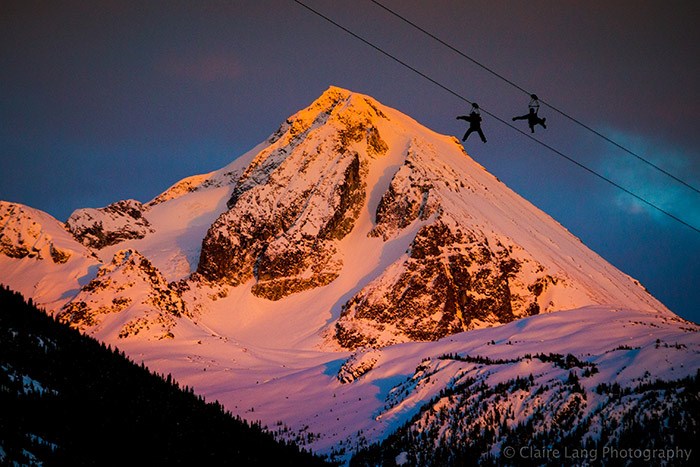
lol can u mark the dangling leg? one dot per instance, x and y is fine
(466, 135)
(481, 133)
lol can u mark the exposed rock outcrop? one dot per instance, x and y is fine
(409, 197)
(450, 281)
(130, 295)
(25, 232)
(455, 276)
(359, 363)
(297, 198)
(98, 228)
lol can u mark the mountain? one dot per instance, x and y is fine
(134, 296)
(457, 249)
(304, 283)
(40, 258)
(98, 228)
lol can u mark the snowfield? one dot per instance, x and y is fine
(307, 392)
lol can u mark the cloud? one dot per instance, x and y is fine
(208, 68)
(650, 183)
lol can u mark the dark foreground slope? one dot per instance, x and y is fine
(66, 399)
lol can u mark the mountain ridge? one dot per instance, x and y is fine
(352, 234)
(449, 247)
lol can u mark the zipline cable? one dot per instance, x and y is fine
(561, 112)
(556, 151)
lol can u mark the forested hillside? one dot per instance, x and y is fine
(66, 399)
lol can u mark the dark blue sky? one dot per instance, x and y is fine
(107, 100)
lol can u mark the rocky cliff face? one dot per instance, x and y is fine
(410, 196)
(98, 228)
(24, 232)
(296, 200)
(128, 296)
(453, 278)
(450, 281)
(359, 363)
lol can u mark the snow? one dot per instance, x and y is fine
(50, 284)
(29, 384)
(181, 220)
(302, 388)
(276, 360)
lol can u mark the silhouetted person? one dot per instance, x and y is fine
(532, 117)
(474, 119)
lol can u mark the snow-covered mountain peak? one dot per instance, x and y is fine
(39, 257)
(297, 199)
(27, 232)
(447, 247)
(376, 228)
(336, 106)
(337, 122)
(289, 274)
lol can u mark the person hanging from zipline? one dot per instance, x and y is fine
(474, 119)
(532, 117)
